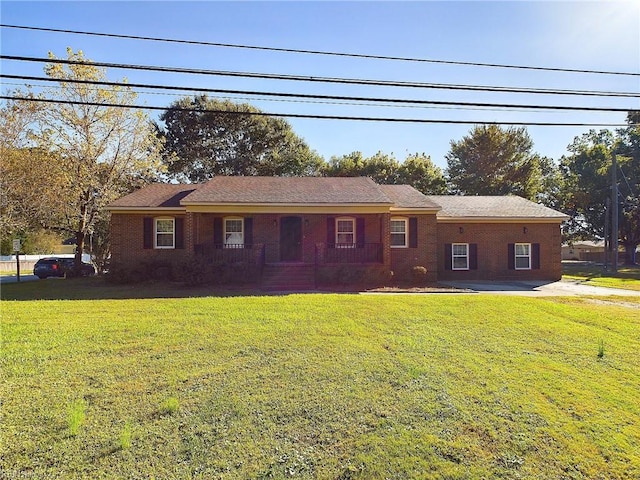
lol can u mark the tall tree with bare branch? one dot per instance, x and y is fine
(104, 146)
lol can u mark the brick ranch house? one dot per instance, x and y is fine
(295, 228)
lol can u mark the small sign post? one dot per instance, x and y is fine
(16, 248)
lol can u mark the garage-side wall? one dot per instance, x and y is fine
(492, 240)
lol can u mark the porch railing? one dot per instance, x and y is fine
(349, 253)
(221, 253)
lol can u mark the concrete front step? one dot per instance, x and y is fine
(288, 277)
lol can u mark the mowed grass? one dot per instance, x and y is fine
(321, 386)
(627, 277)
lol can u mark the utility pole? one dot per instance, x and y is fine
(607, 239)
(614, 212)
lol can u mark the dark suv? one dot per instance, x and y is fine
(59, 267)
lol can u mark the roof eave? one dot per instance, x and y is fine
(415, 210)
(460, 219)
(145, 209)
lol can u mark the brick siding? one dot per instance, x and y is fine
(492, 240)
(404, 259)
(127, 240)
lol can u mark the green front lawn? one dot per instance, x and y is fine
(627, 277)
(320, 386)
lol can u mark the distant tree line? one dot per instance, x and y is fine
(62, 164)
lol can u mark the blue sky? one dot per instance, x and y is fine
(577, 35)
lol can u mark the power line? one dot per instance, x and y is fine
(245, 98)
(320, 52)
(319, 117)
(350, 81)
(321, 97)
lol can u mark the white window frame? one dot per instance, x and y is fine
(455, 255)
(226, 236)
(405, 221)
(351, 244)
(156, 232)
(522, 255)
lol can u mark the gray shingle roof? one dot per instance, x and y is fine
(405, 196)
(331, 191)
(289, 190)
(455, 206)
(162, 195)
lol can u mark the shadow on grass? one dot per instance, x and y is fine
(97, 288)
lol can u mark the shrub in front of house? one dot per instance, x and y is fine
(351, 275)
(419, 275)
(141, 271)
(191, 271)
(196, 270)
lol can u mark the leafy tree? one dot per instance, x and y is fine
(30, 198)
(417, 170)
(421, 173)
(381, 168)
(495, 161)
(587, 186)
(206, 137)
(102, 150)
(350, 165)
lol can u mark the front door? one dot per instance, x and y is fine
(291, 239)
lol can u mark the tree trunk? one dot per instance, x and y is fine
(77, 267)
(630, 253)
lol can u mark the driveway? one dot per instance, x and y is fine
(562, 288)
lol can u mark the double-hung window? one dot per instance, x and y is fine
(164, 233)
(399, 232)
(233, 233)
(345, 232)
(460, 256)
(523, 256)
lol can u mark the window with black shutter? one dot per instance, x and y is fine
(147, 233)
(179, 238)
(248, 232)
(360, 232)
(413, 232)
(447, 256)
(217, 232)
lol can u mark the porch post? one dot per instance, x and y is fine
(385, 229)
(189, 230)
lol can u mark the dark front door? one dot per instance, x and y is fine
(291, 239)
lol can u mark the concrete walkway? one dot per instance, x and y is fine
(562, 288)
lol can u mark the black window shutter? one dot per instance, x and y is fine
(331, 230)
(217, 231)
(248, 232)
(147, 233)
(413, 232)
(447, 256)
(473, 256)
(360, 232)
(511, 251)
(179, 232)
(535, 256)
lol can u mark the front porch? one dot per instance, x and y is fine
(273, 272)
(272, 253)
